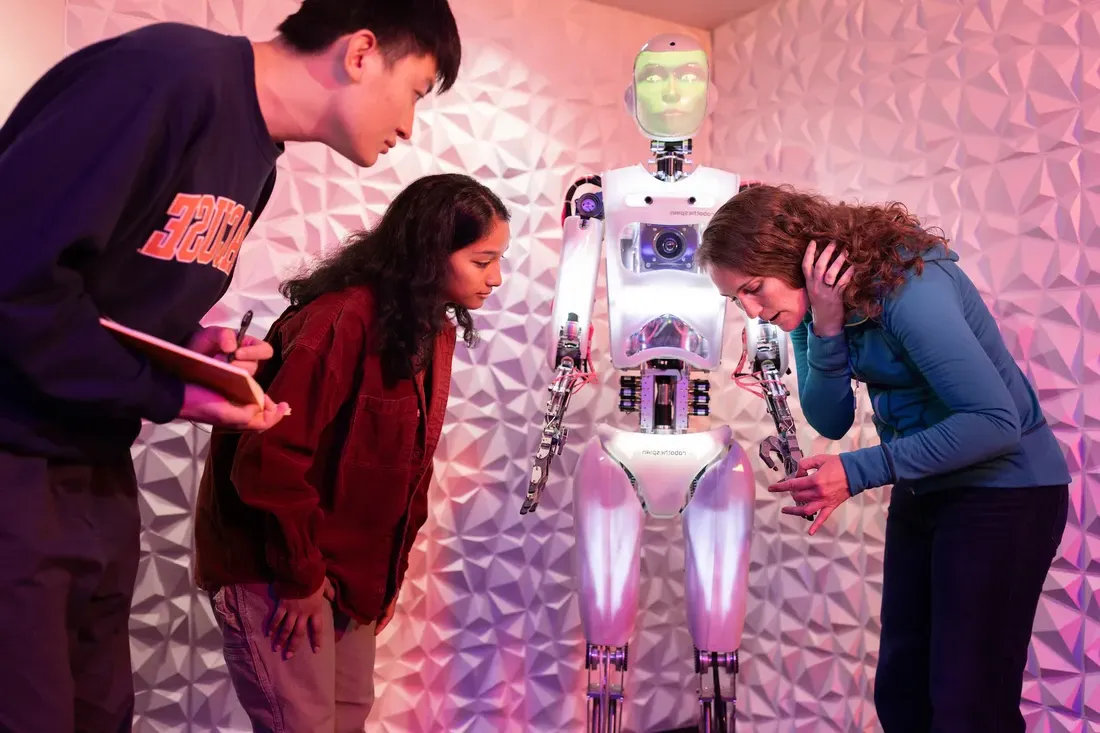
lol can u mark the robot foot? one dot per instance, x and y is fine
(606, 667)
(717, 696)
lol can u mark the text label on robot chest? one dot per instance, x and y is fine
(652, 452)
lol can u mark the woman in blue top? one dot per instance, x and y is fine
(980, 484)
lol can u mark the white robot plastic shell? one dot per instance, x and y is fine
(755, 341)
(632, 196)
(578, 268)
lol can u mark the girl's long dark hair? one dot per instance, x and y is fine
(404, 261)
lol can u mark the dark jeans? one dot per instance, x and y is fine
(68, 560)
(963, 572)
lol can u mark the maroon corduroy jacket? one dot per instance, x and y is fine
(338, 488)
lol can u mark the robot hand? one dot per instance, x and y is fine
(764, 343)
(568, 378)
(787, 455)
(554, 434)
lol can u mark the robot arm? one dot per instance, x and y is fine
(766, 347)
(570, 328)
(570, 322)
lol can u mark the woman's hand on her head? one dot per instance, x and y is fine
(825, 288)
(820, 492)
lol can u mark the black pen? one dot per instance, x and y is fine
(245, 320)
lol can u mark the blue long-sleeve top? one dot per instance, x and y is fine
(951, 406)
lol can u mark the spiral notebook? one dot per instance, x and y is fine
(232, 382)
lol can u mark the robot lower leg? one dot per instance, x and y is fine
(606, 667)
(717, 697)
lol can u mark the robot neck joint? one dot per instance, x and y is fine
(670, 157)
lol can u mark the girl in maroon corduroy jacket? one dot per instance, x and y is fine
(303, 532)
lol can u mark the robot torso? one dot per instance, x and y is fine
(661, 305)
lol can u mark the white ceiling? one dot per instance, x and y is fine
(705, 14)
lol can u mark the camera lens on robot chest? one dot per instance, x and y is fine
(670, 244)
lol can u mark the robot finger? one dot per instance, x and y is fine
(530, 504)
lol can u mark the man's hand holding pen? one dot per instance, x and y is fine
(246, 352)
(239, 349)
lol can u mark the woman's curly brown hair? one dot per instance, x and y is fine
(764, 231)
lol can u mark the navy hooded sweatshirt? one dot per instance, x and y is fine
(132, 172)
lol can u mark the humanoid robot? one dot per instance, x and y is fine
(666, 328)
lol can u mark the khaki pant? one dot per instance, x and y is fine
(327, 691)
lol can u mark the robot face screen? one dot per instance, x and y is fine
(670, 92)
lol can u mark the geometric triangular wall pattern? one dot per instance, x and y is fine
(984, 119)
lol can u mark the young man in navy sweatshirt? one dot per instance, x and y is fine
(132, 172)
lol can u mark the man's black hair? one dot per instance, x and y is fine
(402, 27)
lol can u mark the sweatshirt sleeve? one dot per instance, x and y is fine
(271, 469)
(68, 176)
(824, 381)
(928, 320)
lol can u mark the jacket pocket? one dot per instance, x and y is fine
(383, 432)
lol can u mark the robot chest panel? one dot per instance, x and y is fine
(656, 225)
(661, 303)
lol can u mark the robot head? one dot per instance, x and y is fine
(671, 88)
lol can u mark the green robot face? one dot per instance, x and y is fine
(670, 93)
